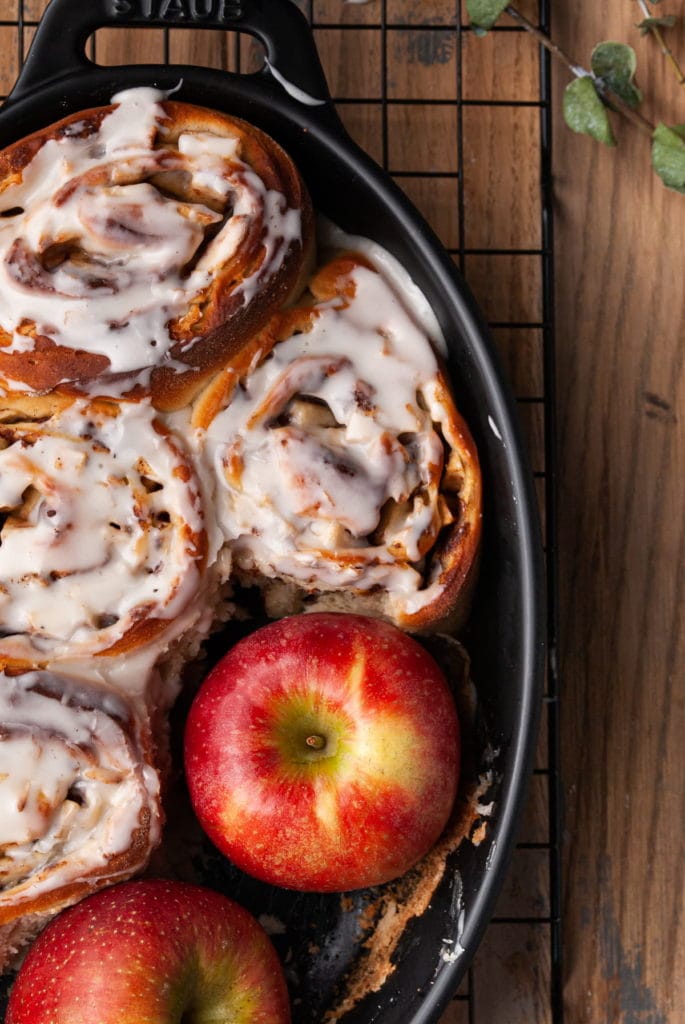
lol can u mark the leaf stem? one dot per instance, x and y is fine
(545, 41)
(620, 105)
(663, 45)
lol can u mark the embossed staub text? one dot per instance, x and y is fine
(177, 10)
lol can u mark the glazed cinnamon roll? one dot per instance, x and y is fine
(102, 538)
(141, 244)
(346, 478)
(79, 798)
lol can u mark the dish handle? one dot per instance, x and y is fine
(59, 46)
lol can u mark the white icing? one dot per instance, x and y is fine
(495, 429)
(300, 492)
(333, 237)
(104, 528)
(102, 261)
(294, 90)
(74, 785)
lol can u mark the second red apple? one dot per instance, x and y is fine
(151, 952)
(322, 753)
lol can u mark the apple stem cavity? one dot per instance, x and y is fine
(316, 742)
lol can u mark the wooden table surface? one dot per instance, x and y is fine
(620, 344)
(621, 401)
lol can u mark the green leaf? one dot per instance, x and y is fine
(614, 65)
(667, 21)
(668, 155)
(484, 13)
(584, 111)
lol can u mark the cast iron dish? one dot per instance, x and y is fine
(292, 104)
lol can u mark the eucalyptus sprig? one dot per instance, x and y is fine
(608, 85)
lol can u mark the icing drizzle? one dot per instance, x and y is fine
(103, 529)
(327, 455)
(99, 252)
(74, 786)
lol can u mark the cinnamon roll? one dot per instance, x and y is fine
(346, 478)
(79, 798)
(103, 545)
(141, 244)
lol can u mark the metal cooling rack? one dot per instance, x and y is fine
(542, 1003)
(545, 1005)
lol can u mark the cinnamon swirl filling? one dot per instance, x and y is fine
(79, 798)
(142, 243)
(102, 540)
(341, 460)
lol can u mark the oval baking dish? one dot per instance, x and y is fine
(289, 100)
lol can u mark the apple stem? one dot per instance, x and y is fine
(316, 742)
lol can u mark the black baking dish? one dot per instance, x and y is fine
(506, 629)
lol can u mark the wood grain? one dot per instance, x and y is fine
(621, 333)
(10, 65)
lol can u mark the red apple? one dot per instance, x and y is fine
(152, 951)
(322, 753)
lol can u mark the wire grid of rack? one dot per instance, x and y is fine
(516, 977)
(464, 126)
